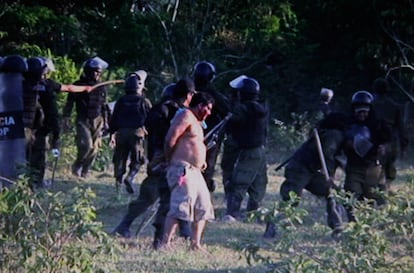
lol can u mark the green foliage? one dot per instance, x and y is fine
(381, 240)
(285, 138)
(52, 232)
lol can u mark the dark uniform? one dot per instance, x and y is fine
(92, 116)
(230, 151)
(304, 168)
(248, 127)
(391, 113)
(365, 143)
(204, 73)
(40, 117)
(127, 124)
(155, 185)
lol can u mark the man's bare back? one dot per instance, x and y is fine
(185, 140)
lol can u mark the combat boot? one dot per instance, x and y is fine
(123, 228)
(128, 181)
(233, 208)
(271, 231)
(252, 205)
(158, 236)
(335, 214)
(77, 170)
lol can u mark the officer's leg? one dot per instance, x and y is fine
(120, 158)
(137, 158)
(335, 211)
(83, 144)
(163, 208)
(371, 188)
(354, 179)
(257, 190)
(389, 167)
(297, 178)
(148, 195)
(208, 174)
(242, 178)
(96, 139)
(38, 160)
(228, 160)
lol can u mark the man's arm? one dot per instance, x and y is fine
(75, 88)
(179, 125)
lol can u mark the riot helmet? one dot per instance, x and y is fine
(50, 67)
(247, 87)
(204, 72)
(362, 98)
(133, 84)
(326, 95)
(36, 68)
(14, 64)
(93, 67)
(168, 92)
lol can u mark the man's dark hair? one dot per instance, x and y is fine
(201, 97)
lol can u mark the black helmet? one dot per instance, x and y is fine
(14, 64)
(362, 97)
(36, 68)
(93, 65)
(168, 91)
(204, 72)
(246, 85)
(96, 64)
(133, 84)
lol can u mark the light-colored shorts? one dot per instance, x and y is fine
(190, 198)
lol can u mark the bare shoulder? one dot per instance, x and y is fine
(184, 117)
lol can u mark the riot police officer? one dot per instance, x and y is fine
(40, 115)
(390, 111)
(127, 129)
(91, 116)
(303, 170)
(248, 127)
(203, 75)
(365, 144)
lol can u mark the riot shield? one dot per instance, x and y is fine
(12, 140)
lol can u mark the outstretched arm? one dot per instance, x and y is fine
(75, 88)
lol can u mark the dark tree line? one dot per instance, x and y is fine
(292, 47)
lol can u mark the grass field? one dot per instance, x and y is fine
(225, 242)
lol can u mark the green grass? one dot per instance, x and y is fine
(224, 241)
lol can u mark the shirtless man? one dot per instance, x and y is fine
(186, 153)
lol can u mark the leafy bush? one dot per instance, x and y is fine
(52, 232)
(286, 137)
(381, 240)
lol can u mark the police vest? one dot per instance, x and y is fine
(250, 132)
